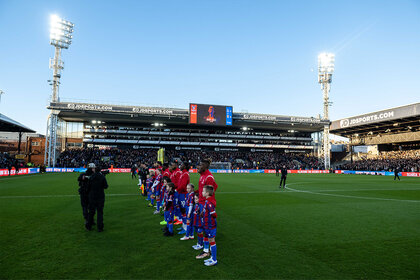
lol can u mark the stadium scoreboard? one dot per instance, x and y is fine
(214, 115)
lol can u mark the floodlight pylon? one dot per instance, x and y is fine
(325, 71)
(61, 38)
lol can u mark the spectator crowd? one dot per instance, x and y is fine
(126, 158)
(408, 161)
(7, 161)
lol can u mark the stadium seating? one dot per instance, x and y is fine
(408, 161)
(242, 160)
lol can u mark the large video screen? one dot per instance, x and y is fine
(210, 114)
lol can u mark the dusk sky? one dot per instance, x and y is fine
(257, 56)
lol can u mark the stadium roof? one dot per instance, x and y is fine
(9, 125)
(137, 115)
(394, 120)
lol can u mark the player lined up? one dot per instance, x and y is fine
(173, 193)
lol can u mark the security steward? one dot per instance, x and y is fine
(84, 190)
(97, 185)
(143, 172)
(283, 171)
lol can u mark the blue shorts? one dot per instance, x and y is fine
(168, 216)
(210, 233)
(176, 198)
(181, 200)
(198, 229)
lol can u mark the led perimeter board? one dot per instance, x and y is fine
(215, 115)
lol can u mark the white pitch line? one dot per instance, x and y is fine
(365, 190)
(288, 190)
(352, 196)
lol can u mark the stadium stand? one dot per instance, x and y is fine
(11, 126)
(408, 161)
(392, 134)
(125, 158)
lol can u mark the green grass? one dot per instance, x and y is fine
(331, 227)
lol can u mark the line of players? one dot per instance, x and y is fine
(169, 187)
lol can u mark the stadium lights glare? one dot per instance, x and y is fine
(291, 131)
(245, 128)
(157, 124)
(326, 62)
(60, 32)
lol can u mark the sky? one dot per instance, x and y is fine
(258, 56)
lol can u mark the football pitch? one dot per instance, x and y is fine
(323, 226)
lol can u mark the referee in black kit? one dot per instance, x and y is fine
(283, 171)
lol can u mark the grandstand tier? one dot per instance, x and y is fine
(139, 126)
(391, 126)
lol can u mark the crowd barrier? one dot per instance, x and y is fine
(380, 173)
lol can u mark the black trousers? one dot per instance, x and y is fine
(396, 176)
(133, 175)
(96, 206)
(283, 180)
(84, 201)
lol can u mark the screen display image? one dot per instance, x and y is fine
(211, 114)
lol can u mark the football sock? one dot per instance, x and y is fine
(171, 227)
(158, 205)
(206, 244)
(213, 250)
(188, 234)
(200, 239)
(152, 201)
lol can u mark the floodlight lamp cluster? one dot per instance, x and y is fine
(326, 63)
(325, 67)
(60, 32)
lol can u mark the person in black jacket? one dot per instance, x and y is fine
(133, 171)
(396, 171)
(9, 167)
(97, 185)
(84, 191)
(283, 171)
(143, 172)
